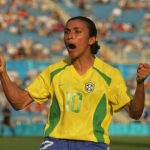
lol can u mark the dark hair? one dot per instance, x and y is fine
(92, 31)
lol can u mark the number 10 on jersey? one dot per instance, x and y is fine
(74, 101)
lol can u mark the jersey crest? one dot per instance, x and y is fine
(89, 87)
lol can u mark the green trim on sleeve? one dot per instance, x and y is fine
(57, 71)
(106, 78)
(99, 116)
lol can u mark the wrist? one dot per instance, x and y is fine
(140, 81)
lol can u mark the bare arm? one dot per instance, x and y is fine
(17, 97)
(136, 106)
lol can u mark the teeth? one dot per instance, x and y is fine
(72, 46)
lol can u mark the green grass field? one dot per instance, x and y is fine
(130, 143)
(117, 143)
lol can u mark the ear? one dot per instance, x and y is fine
(92, 40)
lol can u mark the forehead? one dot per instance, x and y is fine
(76, 23)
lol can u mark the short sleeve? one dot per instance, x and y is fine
(119, 94)
(39, 89)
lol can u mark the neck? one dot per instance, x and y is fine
(82, 65)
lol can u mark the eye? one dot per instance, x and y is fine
(77, 31)
(66, 31)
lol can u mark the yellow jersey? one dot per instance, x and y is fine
(81, 106)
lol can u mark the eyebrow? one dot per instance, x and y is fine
(75, 28)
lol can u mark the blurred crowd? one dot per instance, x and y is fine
(34, 27)
(27, 20)
(31, 30)
(126, 27)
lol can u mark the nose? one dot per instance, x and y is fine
(70, 35)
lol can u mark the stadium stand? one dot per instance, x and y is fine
(31, 38)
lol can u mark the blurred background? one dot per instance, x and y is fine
(31, 38)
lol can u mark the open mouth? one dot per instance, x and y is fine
(71, 46)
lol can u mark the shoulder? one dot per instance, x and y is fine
(60, 65)
(106, 68)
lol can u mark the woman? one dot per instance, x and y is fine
(83, 90)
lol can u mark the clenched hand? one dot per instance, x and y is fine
(143, 72)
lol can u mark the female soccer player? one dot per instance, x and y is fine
(83, 90)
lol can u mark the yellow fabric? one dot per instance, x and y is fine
(79, 98)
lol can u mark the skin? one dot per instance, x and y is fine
(136, 106)
(77, 33)
(18, 98)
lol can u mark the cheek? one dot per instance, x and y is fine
(65, 37)
(84, 42)
(83, 38)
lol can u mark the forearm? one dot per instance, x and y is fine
(17, 97)
(137, 104)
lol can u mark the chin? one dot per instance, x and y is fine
(73, 57)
